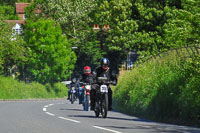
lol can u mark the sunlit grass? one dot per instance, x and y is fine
(13, 89)
(160, 89)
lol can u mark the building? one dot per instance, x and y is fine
(20, 12)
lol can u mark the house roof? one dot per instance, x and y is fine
(20, 7)
(16, 21)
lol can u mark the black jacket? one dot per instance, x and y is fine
(76, 85)
(100, 72)
(86, 79)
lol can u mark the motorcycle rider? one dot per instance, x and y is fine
(73, 84)
(86, 77)
(103, 71)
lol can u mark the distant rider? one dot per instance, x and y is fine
(73, 84)
(103, 71)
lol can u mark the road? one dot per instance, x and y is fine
(59, 116)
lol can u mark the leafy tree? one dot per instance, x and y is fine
(12, 50)
(9, 12)
(71, 15)
(118, 40)
(135, 25)
(182, 27)
(51, 58)
(74, 18)
(12, 2)
(88, 53)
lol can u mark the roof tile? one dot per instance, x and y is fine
(20, 7)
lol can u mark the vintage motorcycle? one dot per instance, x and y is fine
(73, 94)
(85, 96)
(101, 101)
(86, 99)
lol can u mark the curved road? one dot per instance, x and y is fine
(59, 116)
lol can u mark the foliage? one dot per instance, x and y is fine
(147, 27)
(88, 55)
(189, 98)
(182, 26)
(163, 89)
(74, 18)
(12, 2)
(51, 58)
(12, 89)
(9, 12)
(11, 48)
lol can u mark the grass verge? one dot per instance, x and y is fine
(13, 89)
(165, 89)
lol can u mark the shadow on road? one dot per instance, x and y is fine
(72, 109)
(143, 124)
(82, 116)
(157, 128)
(129, 119)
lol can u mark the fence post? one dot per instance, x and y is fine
(177, 52)
(192, 50)
(188, 51)
(195, 46)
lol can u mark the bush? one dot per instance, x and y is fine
(165, 89)
(13, 89)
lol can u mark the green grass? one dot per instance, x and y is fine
(165, 89)
(13, 89)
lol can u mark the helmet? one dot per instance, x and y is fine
(74, 80)
(87, 70)
(105, 63)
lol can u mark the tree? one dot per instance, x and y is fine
(51, 57)
(182, 27)
(12, 51)
(119, 39)
(71, 15)
(76, 23)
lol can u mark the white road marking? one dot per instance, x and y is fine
(69, 119)
(44, 109)
(46, 106)
(50, 114)
(107, 129)
(51, 104)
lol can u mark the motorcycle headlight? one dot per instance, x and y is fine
(88, 87)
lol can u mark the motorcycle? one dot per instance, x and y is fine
(73, 95)
(84, 95)
(86, 99)
(101, 101)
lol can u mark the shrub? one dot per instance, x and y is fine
(164, 89)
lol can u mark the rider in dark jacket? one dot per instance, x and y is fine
(86, 77)
(103, 71)
(73, 84)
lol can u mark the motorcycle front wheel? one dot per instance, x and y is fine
(104, 107)
(96, 111)
(87, 103)
(72, 98)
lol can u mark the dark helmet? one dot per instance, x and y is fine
(87, 70)
(105, 61)
(74, 80)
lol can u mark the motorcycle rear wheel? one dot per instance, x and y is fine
(97, 113)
